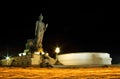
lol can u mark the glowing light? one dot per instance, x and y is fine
(24, 54)
(20, 54)
(57, 50)
(43, 53)
(47, 54)
(7, 58)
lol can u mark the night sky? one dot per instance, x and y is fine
(73, 29)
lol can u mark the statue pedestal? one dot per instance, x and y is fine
(36, 59)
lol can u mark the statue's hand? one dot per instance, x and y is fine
(46, 25)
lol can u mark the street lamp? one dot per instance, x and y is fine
(57, 51)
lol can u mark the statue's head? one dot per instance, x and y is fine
(41, 17)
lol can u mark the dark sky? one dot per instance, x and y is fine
(74, 29)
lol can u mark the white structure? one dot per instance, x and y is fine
(85, 58)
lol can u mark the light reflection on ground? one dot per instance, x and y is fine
(59, 73)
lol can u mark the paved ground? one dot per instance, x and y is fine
(60, 73)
